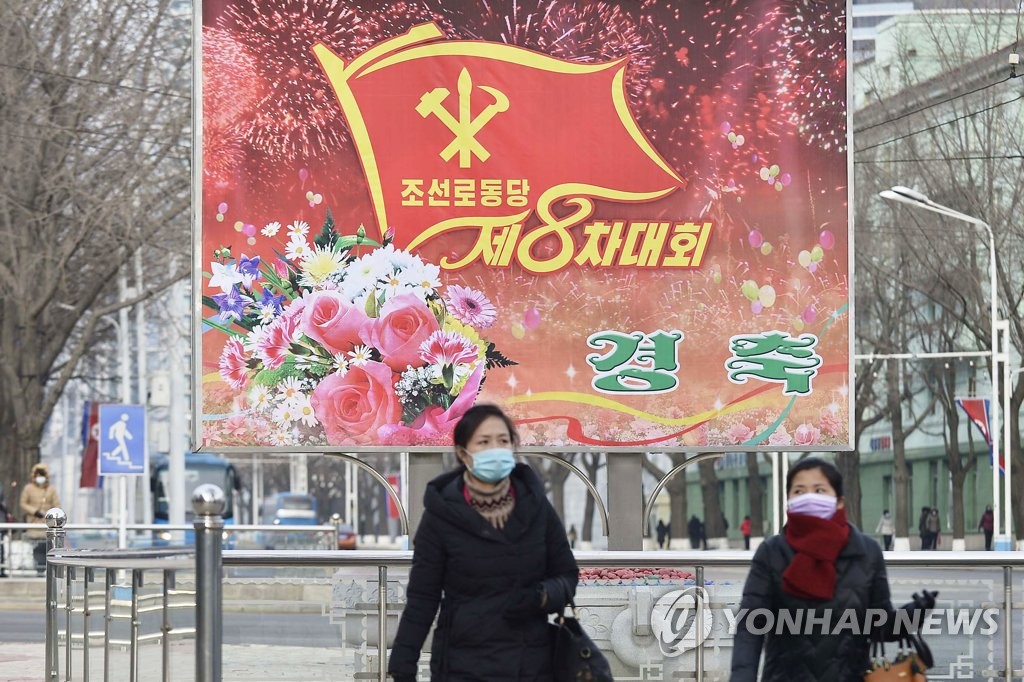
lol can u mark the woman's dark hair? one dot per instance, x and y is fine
(835, 479)
(475, 416)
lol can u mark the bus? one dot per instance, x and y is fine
(200, 468)
(288, 509)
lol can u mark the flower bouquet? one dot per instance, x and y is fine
(348, 341)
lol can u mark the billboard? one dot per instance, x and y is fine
(625, 222)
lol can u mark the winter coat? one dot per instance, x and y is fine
(886, 525)
(933, 523)
(810, 653)
(474, 571)
(35, 497)
(745, 527)
(987, 521)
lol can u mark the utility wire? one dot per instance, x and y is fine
(933, 104)
(981, 157)
(86, 131)
(93, 81)
(86, 145)
(939, 125)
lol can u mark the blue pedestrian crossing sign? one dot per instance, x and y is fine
(122, 440)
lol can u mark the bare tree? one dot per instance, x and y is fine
(756, 492)
(94, 114)
(675, 487)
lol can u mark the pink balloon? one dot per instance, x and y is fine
(809, 315)
(756, 307)
(726, 127)
(827, 239)
(222, 207)
(531, 318)
(813, 267)
(755, 238)
(249, 230)
(785, 179)
(753, 158)
(303, 174)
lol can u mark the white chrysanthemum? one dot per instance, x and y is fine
(297, 250)
(305, 411)
(259, 397)
(319, 266)
(285, 414)
(299, 228)
(289, 389)
(340, 364)
(281, 437)
(424, 279)
(360, 355)
(390, 258)
(253, 338)
(271, 229)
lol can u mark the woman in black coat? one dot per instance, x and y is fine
(492, 552)
(820, 562)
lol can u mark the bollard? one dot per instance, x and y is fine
(207, 507)
(55, 539)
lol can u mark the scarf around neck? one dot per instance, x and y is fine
(494, 505)
(817, 543)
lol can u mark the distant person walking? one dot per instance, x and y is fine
(5, 517)
(661, 531)
(933, 527)
(38, 497)
(986, 524)
(745, 529)
(696, 531)
(886, 527)
(922, 529)
(571, 536)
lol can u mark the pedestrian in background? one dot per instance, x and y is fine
(934, 526)
(37, 498)
(745, 529)
(986, 524)
(662, 532)
(492, 552)
(922, 529)
(823, 564)
(5, 517)
(571, 536)
(886, 527)
(695, 530)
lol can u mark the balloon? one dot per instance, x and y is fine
(740, 139)
(726, 127)
(749, 290)
(303, 174)
(251, 241)
(239, 225)
(309, 196)
(767, 295)
(716, 277)
(786, 178)
(220, 217)
(774, 170)
(817, 253)
(518, 330)
(809, 315)
(764, 174)
(796, 284)
(827, 239)
(798, 324)
(531, 318)
(753, 158)
(756, 307)
(778, 186)
(731, 137)
(804, 258)
(813, 267)
(766, 248)
(755, 238)
(249, 230)
(222, 207)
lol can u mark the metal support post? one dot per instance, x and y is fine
(56, 537)
(625, 500)
(165, 627)
(1008, 620)
(69, 607)
(382, 626)
(88, 578)
(423, 467)
(208, 507)
(133, 632)
(108, 590)
(698, 635)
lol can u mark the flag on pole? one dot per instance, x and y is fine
(977, 410)
(90, 444)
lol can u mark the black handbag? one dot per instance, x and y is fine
(575, 657)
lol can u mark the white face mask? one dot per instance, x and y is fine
(813, 504)
(40, 480)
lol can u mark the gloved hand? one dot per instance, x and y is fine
(39, 514)
(525, 602)
(922, 602)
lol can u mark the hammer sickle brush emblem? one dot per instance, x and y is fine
(466, 126)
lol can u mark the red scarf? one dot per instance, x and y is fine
(817, 542)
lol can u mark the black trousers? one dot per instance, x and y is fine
(39, 555)
(888, 542)
(988, 539)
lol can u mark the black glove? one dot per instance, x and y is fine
(924, 601)
(39, 514)
(525, 603)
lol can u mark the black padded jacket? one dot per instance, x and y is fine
(473, 571)
(837, 652)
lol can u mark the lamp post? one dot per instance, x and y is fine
(912, 197)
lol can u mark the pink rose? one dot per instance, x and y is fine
(330, 319)
(434, 425)
(806, 434)
(354, 406)
(739, 433)
(405, 322)
(232, 364)
(830, 424)
(780, 436)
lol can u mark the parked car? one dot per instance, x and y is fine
(346, 536)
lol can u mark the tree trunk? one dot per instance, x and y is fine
(591, 464)
(900, 475)
(713, 526)
(848, 464)
(756, 493)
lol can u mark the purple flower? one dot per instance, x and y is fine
(232, 304)
(269, 306)
(249, 268)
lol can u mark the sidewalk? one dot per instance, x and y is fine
(250, 663)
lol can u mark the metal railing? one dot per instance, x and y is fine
(208, 560)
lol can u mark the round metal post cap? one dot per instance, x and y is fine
(56, 518)
(208, 500)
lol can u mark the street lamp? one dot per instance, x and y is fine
(912, 197)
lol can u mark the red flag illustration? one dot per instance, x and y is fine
(91, 445)
(456, 134)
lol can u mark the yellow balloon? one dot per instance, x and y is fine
(239, 225)
(518, 330)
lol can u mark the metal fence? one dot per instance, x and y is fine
(70, 573)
